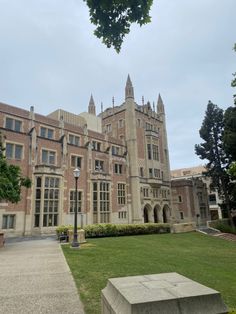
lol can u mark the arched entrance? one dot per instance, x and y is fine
(146, 213)
(156, 214)
(166, 213)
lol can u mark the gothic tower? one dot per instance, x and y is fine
(91, 107)
(132, 149)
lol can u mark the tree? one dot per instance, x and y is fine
(212, 149)
(233, 83)
(11, 180)
(113, 18)
(230, 133)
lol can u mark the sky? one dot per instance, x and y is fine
(49, 58)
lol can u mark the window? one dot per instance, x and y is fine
(120, 123)
(101, 202)
(155, 193)
(145, 192)
(48, 157)
(141, 172)
(181, 215)
(138, 123)
(115, 150)
(180, 198)
(150, 173)
(121, 193)
(157, 173)
(148, 126)
(74, 140)
(149, 151)
(13, 124)
(47, 195)
(99, 165)
(122, 214)
(96, 145)
(212, 199)
(155, 152)
(72, 201)
(14, 151)
(118, 168)
(8, 221)
(47, 133)
(108, 128)
(75, 161)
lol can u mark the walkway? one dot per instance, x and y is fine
(226, 236)
(35, 278)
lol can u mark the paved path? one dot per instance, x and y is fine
(35, 278)
(226, 236)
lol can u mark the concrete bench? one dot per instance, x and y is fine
(167, 293)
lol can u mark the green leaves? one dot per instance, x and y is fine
(11, 180)
(113, 18)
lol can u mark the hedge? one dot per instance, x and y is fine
(113, 230)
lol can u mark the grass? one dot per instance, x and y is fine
(208, 260)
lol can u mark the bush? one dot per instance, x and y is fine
(60, 230)
(113, 230)
(224, 227)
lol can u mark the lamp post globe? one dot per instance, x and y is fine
(75, 242)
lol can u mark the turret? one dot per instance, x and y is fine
(92, 107)
(160, 105)
(129, 91)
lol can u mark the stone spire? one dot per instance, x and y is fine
(160, 105)
(129, 91)
(91, 107)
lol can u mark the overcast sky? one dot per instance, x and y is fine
(50, 58)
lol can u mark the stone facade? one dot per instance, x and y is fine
(192, 187)
(123, 157)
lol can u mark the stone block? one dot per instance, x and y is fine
(168, 293)
(184, 227)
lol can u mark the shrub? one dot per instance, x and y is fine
(224, 227)
(113, 230)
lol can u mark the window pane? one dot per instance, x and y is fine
(18, 152)
(50, 133)
(18, 125)
(52, 158)
(11, 221)
(9, 150)
(9, 123)
(45, 156)
(4, 222)
(43, 132)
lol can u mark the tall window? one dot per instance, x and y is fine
(13, 124)
(108, 128)
(155, 152)
(120, 123)
(8, 221)
(46, 132)
(141, 172)
(121, 193)
(75, 161)
(48, 157)
(149, 151)
(118, 168)
(145, 192)
(104, 202)
(74, 140)
(157, 173)
(150, 173)
(47, 201)
(14, 151)
(73, 199)
(101, 202)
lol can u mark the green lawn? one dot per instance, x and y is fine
(208, 260)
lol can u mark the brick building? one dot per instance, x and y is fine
(123, 157)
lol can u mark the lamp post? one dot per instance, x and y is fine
(75, 242)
